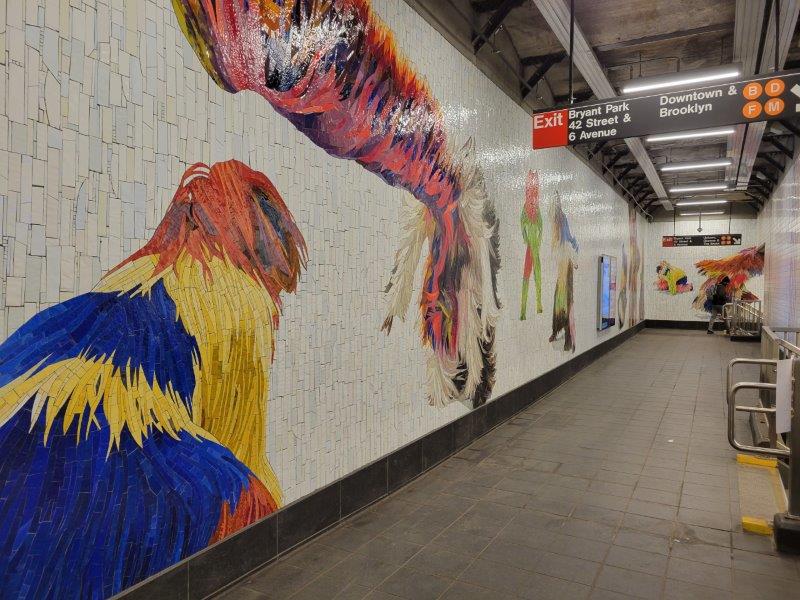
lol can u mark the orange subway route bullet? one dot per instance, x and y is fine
(752, 109)
(774, 106)
(752, 90)
(774, 87)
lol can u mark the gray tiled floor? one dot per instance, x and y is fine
(619, 484)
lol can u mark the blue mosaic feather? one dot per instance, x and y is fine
(142, 329)
(78, 522)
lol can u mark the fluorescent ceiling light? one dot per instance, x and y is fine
(701, 202)
(680, 79)
(713, 164)
(687, 135)
(698, 188)
(697, 214)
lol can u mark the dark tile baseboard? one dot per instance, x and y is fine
(216, 567)
(666, 324)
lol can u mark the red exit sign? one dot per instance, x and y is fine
(550, 129)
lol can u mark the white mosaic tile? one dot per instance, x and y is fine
(678, 307)
(104, 105)
(778, 227)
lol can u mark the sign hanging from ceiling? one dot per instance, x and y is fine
(678, 241)
(776, 96)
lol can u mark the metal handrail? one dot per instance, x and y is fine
(775, 346)
(772, 333)
(733, 408)
(746, 361)
(743, 318)
(749, 309)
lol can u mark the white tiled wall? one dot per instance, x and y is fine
(779, 227)
(102, 107)
(661, 305)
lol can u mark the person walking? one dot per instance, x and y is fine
(718, 297)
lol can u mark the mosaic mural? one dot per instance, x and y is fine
(622, 297)
(661, 304)
(671, 279)
(641, 285)
(635, 279)
(121, 404)
(531, 222)
(141, 298)
(333, 70)
(738, 268)
(565, 249)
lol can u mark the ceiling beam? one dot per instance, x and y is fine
(769, 177)
(484, 6)
(501, 66)
(531, 61)
(615, 159)
(581, 96)
(616, 184)
(790, 127)
(650, 202)
(646, 201)
(556, 14)
(626, 170)
(597, 148)
(772, 139)
(760, 200)
(540, 72)
(770, 160)
(762, 186)
(494, 22)
(754, 48)
(666, 37)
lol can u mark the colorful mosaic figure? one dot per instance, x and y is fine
(331, 67)
(134, 416)
(565, 247)
(672, 279)
(641, 286)
(738, 268)
(634, 272)
(622, 297)
(531, 222)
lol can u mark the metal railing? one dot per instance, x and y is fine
(733, 408)
(743, 319)
(775, 346)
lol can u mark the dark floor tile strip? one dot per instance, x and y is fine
(219, 566)
(667, 324)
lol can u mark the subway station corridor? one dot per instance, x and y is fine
(618, 484)
(399, 299)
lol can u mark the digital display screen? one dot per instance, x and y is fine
(607, 292)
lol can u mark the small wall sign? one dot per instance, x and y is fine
(723, 239)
